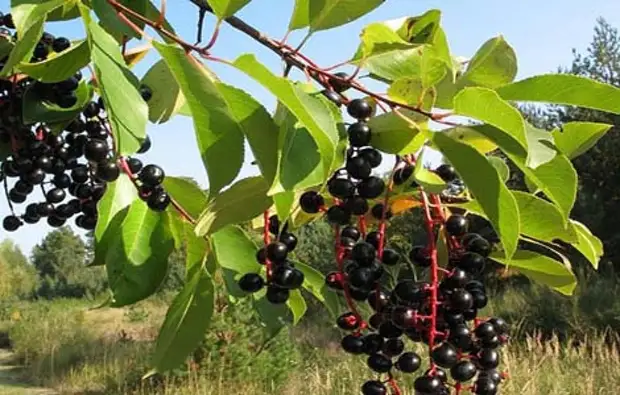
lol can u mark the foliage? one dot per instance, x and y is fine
(297, 147)
(60, 260)
(19, 279)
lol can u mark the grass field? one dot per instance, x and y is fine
(72, 350)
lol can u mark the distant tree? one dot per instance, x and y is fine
(60, 260)
(18, 278)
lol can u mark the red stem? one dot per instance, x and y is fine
(432, 249)
(340, 253)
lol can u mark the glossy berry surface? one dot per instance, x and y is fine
(359, 109)
(251, 282)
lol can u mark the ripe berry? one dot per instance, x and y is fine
(55, 222)
(378, 299)
(277, 295)
(332, 96)
(45, 209)
(251, 282)
(158, 201)
(287, 277)
(492, 375)
(359, 294)
(485, 386)
(363, 253)
(374, 387)
(463, 371)
(135, 165)
(340, 188)
(60, 44)
(379, 363)
(377, 212)
(55, 195)
(359, 134)
(35, 177)
(348, 322)
(403, 317)
(108, 171)
(393, 347)
(456, 225)
(372, 156)
(371, 187)
(152, 175)
(11, 223)
(388, 330)
(356, 205)
(427, 385)
(480, 299)
(445, 355)
(289, 239)
(359, 109)
(80, 174)
(23, 187)
(277, 251)
(461, 300)
(338, 215)
(472, 263)
(419, 256)
(402, 175)
(409, 292)
(358, 167)
(500, 325)
(446, 173)
(311, 202)
(390, 257)
(91, 110)
(68, 85)
(352, 344)
(457, 279)
(16, 197)
(338, 84)
(96, 150)
(477, 244)
(146, 93)
(361, 277)
(409, 362)
(7, 20)
(350, 232)
(488, 358)
(460, 336)
(145, 145)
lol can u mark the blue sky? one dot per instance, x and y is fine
(543, 33)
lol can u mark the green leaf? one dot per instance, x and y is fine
(576, 138)
(24, 47)
(301, 15)
(243, 201)
(314, 282)
(484, 182)
(313, 113)
(111, 22)
(430, 181)
(218, 132)
(273, 317)
(284, 202)
(112, 209)
(127, 112)
(564, 89)
(589, 245)
(6, 46)
(297, 305)
(27, 13)
(502, 168)
(37, 110)
(196, 250)
(485, 105)
(540, 143)
(167, 97)
(542, 269)
(421, 29)
(60, 67)
(153, 14)
(542, 220)
(493, 65)
(258, 127)
(412, 91)
(327, 14)
(68, 11)
(471, 136)
(186, 322)
(137, 257)
(187, 193)
(394, 135)
(225, 8)
(235, 253)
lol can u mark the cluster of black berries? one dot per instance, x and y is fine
(282, 276)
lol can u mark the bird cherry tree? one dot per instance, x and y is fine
(73, 119)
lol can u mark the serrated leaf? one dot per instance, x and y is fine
(587, 244)
(226, 8)
(314, 282)
(112, 209)
(484, 182)
(493, 65)
(60, 67)
(167, 97)
(412, 91)
(37, 110)
(471, 136)
(218, 132)
(427, 179)
(542, 220)
(187, 193)
(576, 138)
(137, 257)
(186, 321)
(24, 47)
(313, 113)
(327, 14)
(241, 202)
(502, 168)
(394, 135)
(127, 112)
(485, 105)
(235, 253)
(564, 89)
(542, 269)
